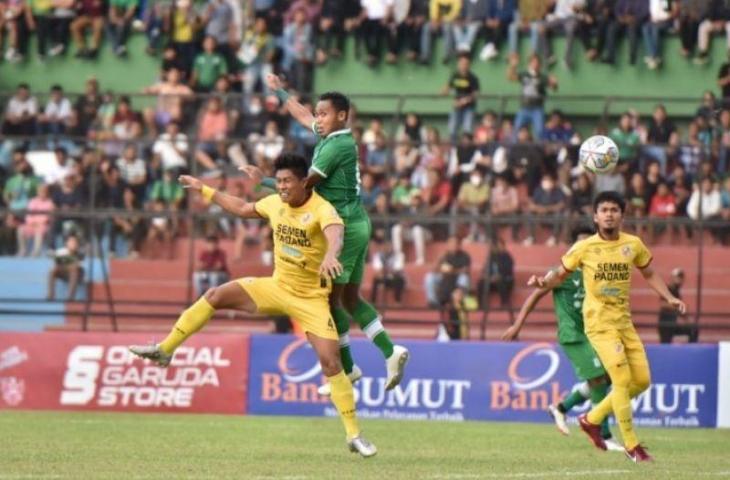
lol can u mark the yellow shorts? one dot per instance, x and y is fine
(616, 347)
(311, 313)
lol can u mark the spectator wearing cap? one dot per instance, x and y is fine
(212, 268)
(669, 320)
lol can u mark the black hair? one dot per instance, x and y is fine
(609, 197)
(339, 101)
(292, 161)
(57, 88)
(24, 86)
(581, 230)
(461, 55)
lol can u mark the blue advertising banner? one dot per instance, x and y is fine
(476, 381)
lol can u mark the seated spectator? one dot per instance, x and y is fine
(208, 67)
(87, 105)
(504, 202)
(160, 231)
(172, 148)
(669, 324)
(334, 23)
(170, 101)
(125, 125)
(436, 198)
(377, 160)
(67, 267)
(133, 171)
(637, 201)
(498, 276)
(441, 14)
(405, 155)
(62, 15)
(15, 22)
(298, 46)
(529, 158)
(526, 20)
(472, 199)
(691, 14)
(457, 314)
(375, 128)
(407, 200)
(630, 15)
(67, 196)
(153, 22)
(213, 128)
(717, 20)
(38, 20)
(711, 206)
(662, 17)
(563, 18)
(21, 187)
(377, 23)
(468, 24)
(211, 269)
(9, 234)
(369, 191)
(663, 206)
(412, 128)
(581, 202)
(546, 206)
(167, 192)
(121, 15)
(449, 273)
(64, 167)
(388, 268)
(557, 129)
(37, 223)
(20, 113)
(627, 140)
(57, 114)
(661, 136)
(269, 146)
(500, 14)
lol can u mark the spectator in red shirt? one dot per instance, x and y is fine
(212, 269)
(90, 14)
(437, 200)
(663, 205)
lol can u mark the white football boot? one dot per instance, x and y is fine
(152, 352)
(395, 365)
(362, 446)
(326, 389)
(559, 419)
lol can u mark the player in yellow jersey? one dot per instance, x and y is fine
(308, 235)
(606, 260)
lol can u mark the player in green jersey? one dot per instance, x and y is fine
(335, 175)
(568, 304)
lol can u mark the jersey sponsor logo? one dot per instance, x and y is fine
(291, 251)
(612, 271)
(626, 251)
(13, 390)
(292, 235)
(112, 376)
(306, 218)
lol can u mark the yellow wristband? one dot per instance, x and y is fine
(207, 193)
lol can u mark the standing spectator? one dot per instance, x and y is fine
(67, 267)
(662, 16)
(627, 141)
(37, 223)
(90, 14)
(441, 15)
(219, 23)
(256, 54)
(722, 134)
(534, 90)
(469, 23)
(500, 14)
(630, 16)
(212, 269)
(612, 181)
(498, 275)
(691, 14)
(121, 15)
(208, 67)
(388, 271)
(172, 148)
(171, 95)
(526, 19)
(133, 171)
(546, 205)
(717, 20)
(465, 86)
(20, 112)
(298, 45)
(564, 18)
(22, 185)
(57, 114)
(661, 136)
(212, 129)
(669, 326)
(450, 272)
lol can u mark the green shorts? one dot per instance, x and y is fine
(354, 251)
(584, 360)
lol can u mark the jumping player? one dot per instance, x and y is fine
(606, 260)
(568, 303)
(308, 235)
(335, 175)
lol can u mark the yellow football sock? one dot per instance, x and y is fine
(601, 410)
(344, 400)
(618, 401)
(191, 321)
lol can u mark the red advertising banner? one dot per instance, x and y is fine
(95, 371)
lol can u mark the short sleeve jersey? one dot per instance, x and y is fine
(568, 304)
(299, 242)
(607, 268)
(336, 161)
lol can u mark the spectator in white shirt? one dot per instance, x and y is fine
(20, 113)
(133, 171)
(388, 271)
(661, 18)
(171, 148)
(57, 113)
(711, 201)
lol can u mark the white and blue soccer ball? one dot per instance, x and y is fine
(598, 154)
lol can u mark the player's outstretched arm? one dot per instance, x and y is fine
(300, 113)
(229, 203)
(657, 284)
(331, 266)
(257, 176)
(551, 280)
(529, 305)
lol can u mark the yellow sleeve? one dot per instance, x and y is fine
(264, 207)
(572, 260)
(643, 257)
(454, 11)
(327, 215)
(433, 10)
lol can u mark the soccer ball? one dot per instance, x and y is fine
(598, 154)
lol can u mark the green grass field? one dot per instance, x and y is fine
(136, 446)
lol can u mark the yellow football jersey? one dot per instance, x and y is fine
(607, 268)
(299, 241)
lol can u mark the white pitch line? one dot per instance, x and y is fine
(467, 476)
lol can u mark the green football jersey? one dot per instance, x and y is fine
(335, 159)
(568, 303)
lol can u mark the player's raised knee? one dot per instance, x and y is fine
(213, 296)
(331, 364)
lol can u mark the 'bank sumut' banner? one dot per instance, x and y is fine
(477, 381)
